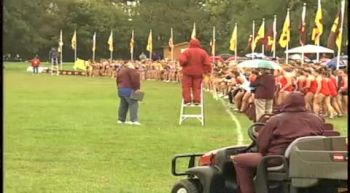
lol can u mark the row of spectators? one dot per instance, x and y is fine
(325, 90)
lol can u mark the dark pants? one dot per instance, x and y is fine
(191, 83)
(127, 104)
(245, 164)
(35, 70)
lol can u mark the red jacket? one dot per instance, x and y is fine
(35, 62)
(195, 60)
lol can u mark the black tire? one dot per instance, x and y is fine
(186, 186)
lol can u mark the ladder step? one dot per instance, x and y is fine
(199, 106)
(192, 116)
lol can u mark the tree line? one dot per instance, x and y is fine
(32, 27)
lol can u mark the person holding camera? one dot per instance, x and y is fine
(128, 82)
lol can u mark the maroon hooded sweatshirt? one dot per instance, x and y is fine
(195, 60)
(293, 122)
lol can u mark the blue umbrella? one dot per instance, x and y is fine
(333, 63)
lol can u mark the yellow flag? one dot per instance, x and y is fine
(149, 42)
(261, 33)
(79, 64)
(233, 41)
(74, 40)
(193, 35)
(318, 28)
(110, 42)
(285, 35)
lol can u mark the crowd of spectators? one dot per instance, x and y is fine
(325, 90)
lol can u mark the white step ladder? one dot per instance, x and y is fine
(199, 116)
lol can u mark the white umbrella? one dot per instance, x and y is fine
(310, 49)
(256, 55)
(259, 64)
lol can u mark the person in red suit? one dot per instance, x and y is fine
(35, 64)
(195, 63)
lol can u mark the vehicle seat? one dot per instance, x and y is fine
(268, 176)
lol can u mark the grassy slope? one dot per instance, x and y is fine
(61, 135)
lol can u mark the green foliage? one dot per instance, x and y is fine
(33, 26)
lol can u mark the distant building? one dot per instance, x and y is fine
(177, 50)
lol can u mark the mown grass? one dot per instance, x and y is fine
(61, 135)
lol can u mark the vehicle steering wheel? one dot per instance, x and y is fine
(252, 133)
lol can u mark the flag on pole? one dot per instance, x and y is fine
(285, 35)
(233, 40)
(269, 39)
(193, 35)
(260, 35)
(80, 64)
(132, 42)
(60, 42)
(110, 42)
(333, 38)
(249, 42)
(94, 42)
(318, 28)
(171, 41)
(302, 27)
(149, 42)
(74, 40)
(213, 43)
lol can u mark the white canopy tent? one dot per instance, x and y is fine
(310, 49)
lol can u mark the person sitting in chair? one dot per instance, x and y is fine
(280, 130)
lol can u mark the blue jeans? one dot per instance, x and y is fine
(126, 103)
(35, 70)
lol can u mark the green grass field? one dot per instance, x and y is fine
(61, 135)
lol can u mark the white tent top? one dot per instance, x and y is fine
(310, 49)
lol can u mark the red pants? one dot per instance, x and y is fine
(191, 82)
(245, 164)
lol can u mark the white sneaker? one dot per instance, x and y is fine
(135, 123)
(121, 122)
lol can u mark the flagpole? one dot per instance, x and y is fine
(93, 46)
(236, 43)
(213, 47)
(132, 50)
(61, 49)
(274, 36)
(319, 36)
(287, 41)
(253, 40)
(75, 53)
(262, 46)
(302, 25)
(341, 31)
(172, 44)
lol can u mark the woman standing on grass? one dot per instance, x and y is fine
(128, 81)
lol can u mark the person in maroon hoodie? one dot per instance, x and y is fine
(280, 130)
(195, 63)
(264, 92)
(128, 81)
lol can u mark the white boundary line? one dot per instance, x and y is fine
(234, 119)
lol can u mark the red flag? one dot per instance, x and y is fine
(268, 39)
(250, 41)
